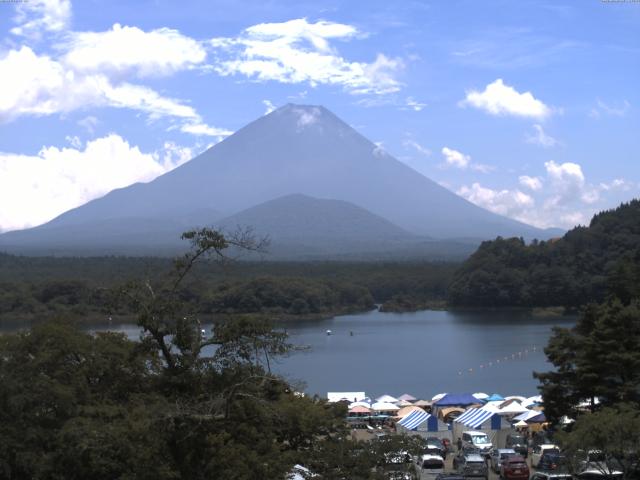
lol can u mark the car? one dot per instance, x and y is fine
(459, 457)
(473, 465)
(539, 450)
(434, 444)
(552, 460)
(497, 455)
(551, 476)
(429, 466)
(514, 468)
(599, 471)
(518, 442)
(480, 440)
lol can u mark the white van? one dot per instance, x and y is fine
(429, 466)
(479, 440)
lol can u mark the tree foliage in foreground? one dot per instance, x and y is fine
(612, 435)
(178, 404)
(599, 357)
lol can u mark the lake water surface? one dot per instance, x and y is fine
(421, 353)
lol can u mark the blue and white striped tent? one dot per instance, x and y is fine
(423, 422)
(482, 419)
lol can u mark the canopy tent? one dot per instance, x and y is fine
(403, 412)
(384, 407)
(424, 424)
(447, 414)
(488, 421)
(520, 423)
(407, 398)
(437, 397)
(456, 400)
(512, 408)
(540, 418)
(423, 403)
(481, 396)
(359, 404)
(524, 416)
(387, 398)
(345, 396)
(403, 403)
(495, 397)
(515, 397)
(359, 409)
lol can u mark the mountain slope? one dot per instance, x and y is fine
(297, 149)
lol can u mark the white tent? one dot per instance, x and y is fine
(512, 409)
(481, 396)
(345, 396)
(359, 404)
(384, 407)
(437, 397)
(524, 416)
(387, 398)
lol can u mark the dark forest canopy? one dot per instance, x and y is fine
(584, 266)
(35, 288)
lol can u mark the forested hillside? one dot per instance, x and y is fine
(584, 266)
(33, 289)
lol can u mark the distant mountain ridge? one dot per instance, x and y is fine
(296, 149)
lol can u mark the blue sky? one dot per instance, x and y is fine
(529, 109)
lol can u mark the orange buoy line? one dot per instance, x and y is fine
(513, 356)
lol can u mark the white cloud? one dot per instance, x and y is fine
(307, 116)
(601, 107)
(130, 49)
(89, 123)
(511, 203)
(270, 107)
(414, 104)
(532, 183)
(564, 198)
(38, 85)
(541, 138)
(454, 158)
(37, 188)
(202, 129)
(297, 51)
(410, 143)
(500, 99)
(74, 141)
(617, 184)
(34, 17)
(379, 150)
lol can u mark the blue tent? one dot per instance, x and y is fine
(419, 421)
(494, 398)
(457, 400)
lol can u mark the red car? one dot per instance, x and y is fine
(514, 468)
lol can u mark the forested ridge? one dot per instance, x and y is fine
(585, 265)
(33, 289)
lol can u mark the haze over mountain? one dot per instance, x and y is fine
(303, 150)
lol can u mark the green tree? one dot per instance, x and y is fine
(613, 432)
(599, 357)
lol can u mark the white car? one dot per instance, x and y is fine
(539, 450)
